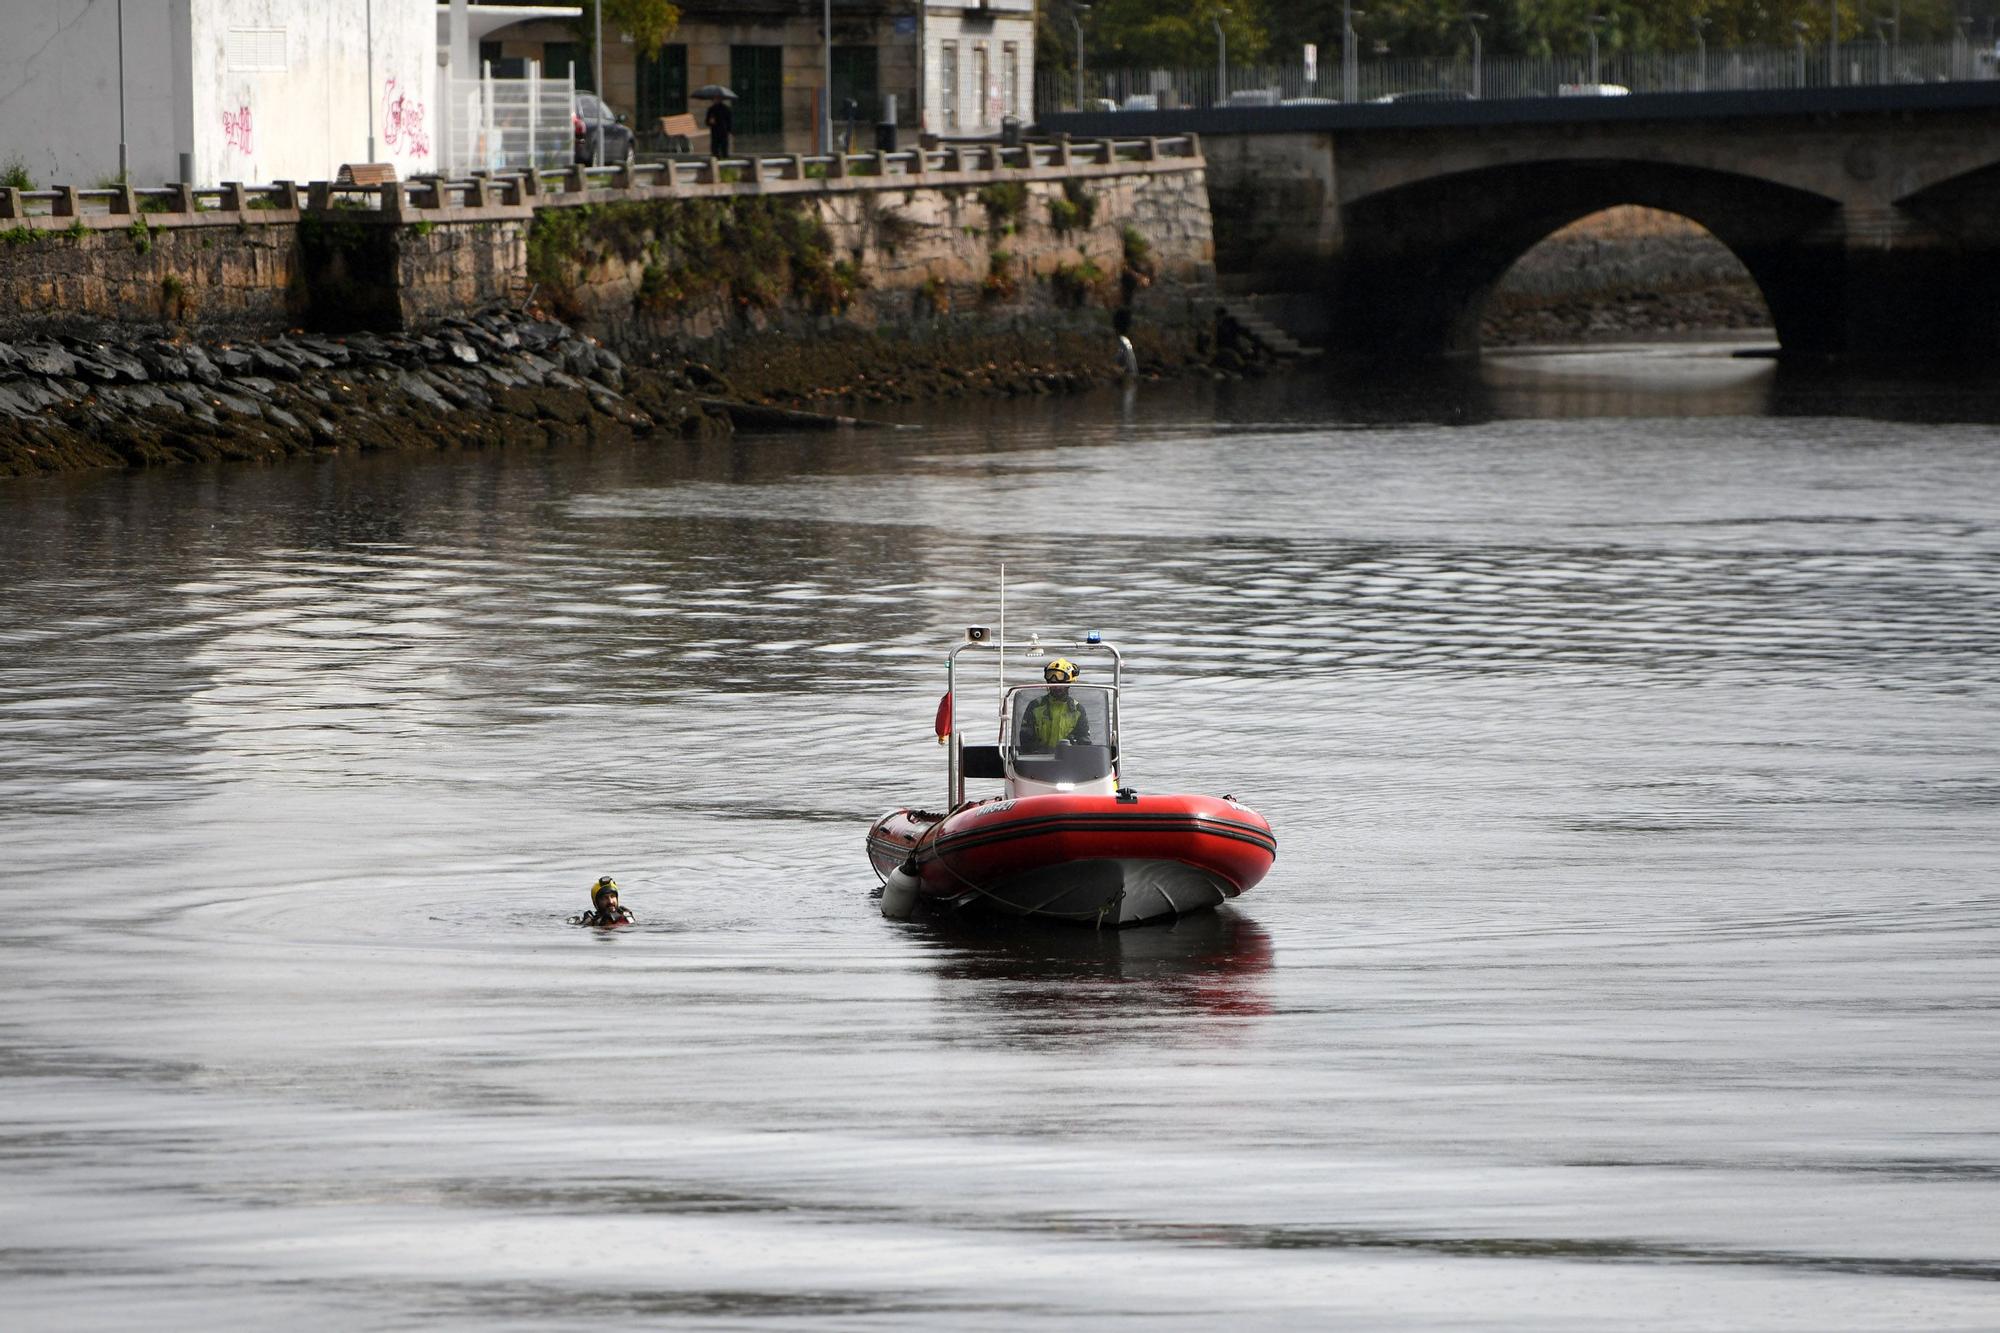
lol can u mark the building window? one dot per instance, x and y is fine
(508, 67)
(1012, 92)
(757, 77)
(562, 60)
(854, 79)
(948, 84)
(255, 51)
(982, 88)
(663, 85)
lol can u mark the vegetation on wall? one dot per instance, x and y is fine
(1005, 203)
(1075, 210)
(746, 253)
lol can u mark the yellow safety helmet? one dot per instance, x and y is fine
(602, 887)
(1060, 671)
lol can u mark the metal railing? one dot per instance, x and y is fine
(1805, 65)
(508, 124)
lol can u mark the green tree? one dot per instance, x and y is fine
(1143, 34)
(649, 23)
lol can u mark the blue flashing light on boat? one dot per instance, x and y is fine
(1095, 636)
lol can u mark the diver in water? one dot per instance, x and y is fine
(605, 909)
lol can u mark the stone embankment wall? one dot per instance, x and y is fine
(878, 291)
(222, 271)
(1043, 239)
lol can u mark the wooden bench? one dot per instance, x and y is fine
(366, 173)
(683, 130)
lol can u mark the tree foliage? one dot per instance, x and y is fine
(1148, 34)
(649, 23)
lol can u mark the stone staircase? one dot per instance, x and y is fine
(1259, 330)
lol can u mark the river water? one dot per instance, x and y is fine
(1630, 721)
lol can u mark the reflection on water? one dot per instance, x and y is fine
(1026, 980)
(1628, 720)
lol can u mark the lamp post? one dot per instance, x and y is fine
(1833, 44)
(1881, 50)
(1221, 58)
(825, 126)
(124, 165)
(1700, 55)
(1347, 50)
(1799, 34)
(1472, 21)
(597, 76)
(1595, 22)
(369, 6)
(1076, 14)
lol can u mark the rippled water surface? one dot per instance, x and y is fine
(1630, 723)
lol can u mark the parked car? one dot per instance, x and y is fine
(594, 121)
(1592, 90)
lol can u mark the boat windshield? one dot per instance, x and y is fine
(1061, 733)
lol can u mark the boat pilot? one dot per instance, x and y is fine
(605, 910)
(1055, 717)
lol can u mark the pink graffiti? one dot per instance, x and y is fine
(404, 121)
(236, 129)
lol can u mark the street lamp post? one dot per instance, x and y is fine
(124, 164)
(597, 77)
(1221, 58)
(1473, 21)
(1799, 34)
(1347, 70)
(1881, 50)
(1076, 14)
(1595, 21)
(826, 77)
(1700, 55)
(1833, 44)
(370, 7)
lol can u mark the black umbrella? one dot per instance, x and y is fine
(713, 91)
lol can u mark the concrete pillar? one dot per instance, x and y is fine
(122, 202)
(65, 204)
(1060, 156)
(10, 203)
(319, 196)
(576, 182)
(184, 197)
(286, 194)
(232, 196)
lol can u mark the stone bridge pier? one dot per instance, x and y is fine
(1869, 218)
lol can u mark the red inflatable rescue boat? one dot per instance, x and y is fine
(1066, 839)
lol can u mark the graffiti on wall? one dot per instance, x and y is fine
(403, 123)
(236, 130)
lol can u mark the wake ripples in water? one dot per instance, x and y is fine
(1628, 956)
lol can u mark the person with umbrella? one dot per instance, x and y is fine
(721, 121)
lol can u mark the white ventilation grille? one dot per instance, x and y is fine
(256, 51)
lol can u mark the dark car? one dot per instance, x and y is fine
(596, 123)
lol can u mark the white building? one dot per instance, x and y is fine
(216, 90)
(979, 66)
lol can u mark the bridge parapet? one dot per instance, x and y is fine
(1869, 218)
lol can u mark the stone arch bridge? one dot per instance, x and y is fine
(1869, 217)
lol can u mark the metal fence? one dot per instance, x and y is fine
(508, 124)
(1799, 66)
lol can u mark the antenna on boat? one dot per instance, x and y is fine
(1003, 632)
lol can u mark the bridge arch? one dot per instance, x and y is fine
(1418, 260)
